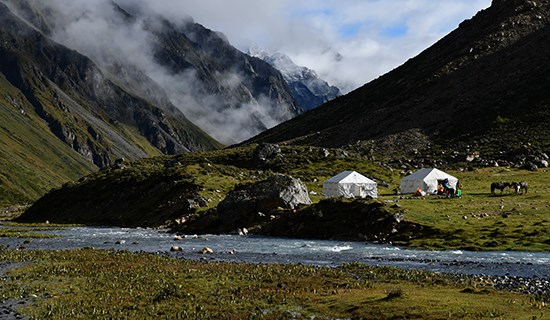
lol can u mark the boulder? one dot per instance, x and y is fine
(176, 248)
(242, 205)
(265, 153)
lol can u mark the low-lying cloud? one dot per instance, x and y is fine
(347, 42)
(124, 46)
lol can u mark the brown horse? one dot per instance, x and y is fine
(500, 186)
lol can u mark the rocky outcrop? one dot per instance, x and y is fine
(265, 153)
(335, 219)
(250, 203)
(120, 196)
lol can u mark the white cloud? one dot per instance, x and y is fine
(313, 32)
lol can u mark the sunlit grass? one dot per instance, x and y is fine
(483, 221)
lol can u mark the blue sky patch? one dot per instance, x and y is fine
(394, 31)
(350, 30)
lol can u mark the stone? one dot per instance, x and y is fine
(206, 250)
(265, 153)
(176, 249)
(530, 166)
(542, 163)
(242, 205)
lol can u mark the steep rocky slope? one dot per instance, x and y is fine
(483, 86)
(63, 117)
(229, 94)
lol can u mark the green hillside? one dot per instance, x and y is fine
(33, 160)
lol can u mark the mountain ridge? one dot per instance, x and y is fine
(493, 67)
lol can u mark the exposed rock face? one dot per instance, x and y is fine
(194, 49)
(247, 204)
(88, 109)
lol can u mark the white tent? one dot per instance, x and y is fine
(350, 184)
(426, 179)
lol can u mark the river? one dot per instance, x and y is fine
(258, 249)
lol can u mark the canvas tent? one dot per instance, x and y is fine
(350, 184)
(426, 179)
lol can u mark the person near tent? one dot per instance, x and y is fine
(458, 189)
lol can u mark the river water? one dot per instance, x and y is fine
(258, 249)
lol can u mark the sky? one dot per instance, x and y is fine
(347, 42)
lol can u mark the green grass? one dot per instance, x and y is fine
(26, 233)
(91, 284)
(149, 192)
(32, 159)
(482, 221)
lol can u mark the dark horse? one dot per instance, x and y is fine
(519, 186)
(499, 185)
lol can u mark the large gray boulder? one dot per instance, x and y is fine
(251, 203)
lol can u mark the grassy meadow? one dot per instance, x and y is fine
(92, 284)
(95, 284)
(483, 221)
(478, 220)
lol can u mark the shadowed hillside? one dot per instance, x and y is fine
(484, 84)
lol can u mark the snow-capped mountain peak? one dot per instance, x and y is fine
(307, 88)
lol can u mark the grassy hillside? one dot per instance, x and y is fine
(33, 160)
(482, 87)
(155, 190)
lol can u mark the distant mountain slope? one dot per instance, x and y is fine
(62, 115)
(75, 101)
(227, 93)
(237, 94)
(487, 82)
(307, 88)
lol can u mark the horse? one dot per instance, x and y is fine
(519, 186)
(500, 186)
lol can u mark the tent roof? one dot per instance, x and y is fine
(429, 173)
(349, 177)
